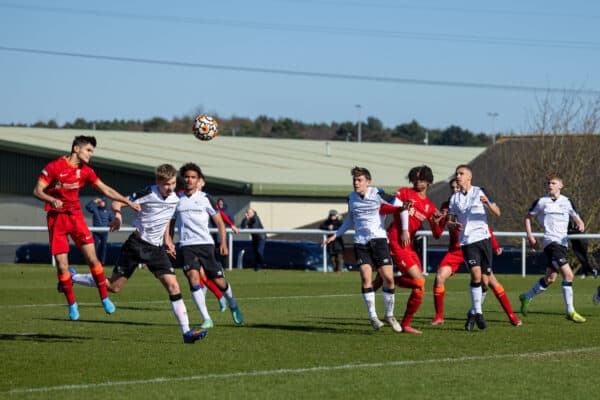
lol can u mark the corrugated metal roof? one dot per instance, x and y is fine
(256, 166)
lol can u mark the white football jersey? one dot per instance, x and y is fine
(363, 214)
(469, 211)
(554, 215)
(192, 215)
(151, 221)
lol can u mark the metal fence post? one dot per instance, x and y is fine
(424, 255)
(230, 246)
(523, 257)
(324, 254)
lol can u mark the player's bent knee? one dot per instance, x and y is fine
(420, 283)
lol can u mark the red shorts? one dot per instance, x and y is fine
(62, 224)
(453, 259)
(404, 257)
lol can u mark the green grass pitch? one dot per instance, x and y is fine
(305, 336)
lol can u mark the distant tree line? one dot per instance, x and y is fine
(372, 130)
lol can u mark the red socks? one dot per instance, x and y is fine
(439, 292)
(211, 286)
(503, 299)
(67, 286)
(98, 275)
(415, 299)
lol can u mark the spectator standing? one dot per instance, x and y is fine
(101, 217)
(335, 249)
(252, 221)
(580, 249)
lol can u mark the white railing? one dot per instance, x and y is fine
(323, 235)
(422, 234)
(426, 234)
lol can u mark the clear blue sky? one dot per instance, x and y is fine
(473, 44)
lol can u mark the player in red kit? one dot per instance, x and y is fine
(453, 260)
(58, 186)
(402, 249)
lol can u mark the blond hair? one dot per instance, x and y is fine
(165, 172)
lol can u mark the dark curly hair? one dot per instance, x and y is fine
(190, 167)
(422, 172)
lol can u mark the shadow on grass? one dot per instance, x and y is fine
(140, 308)
(104, 321)
(313, 329)
(41, 337)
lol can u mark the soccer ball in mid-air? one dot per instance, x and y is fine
(205, 127)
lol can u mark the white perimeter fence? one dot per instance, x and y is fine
(424, 235)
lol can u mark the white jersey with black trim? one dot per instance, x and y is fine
(156, 212)
(192, 216)
(470, 212)
(363, 214)
(554, 215)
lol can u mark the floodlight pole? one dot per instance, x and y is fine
(493, 116)
(359, 135)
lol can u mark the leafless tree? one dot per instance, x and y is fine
(565, 139)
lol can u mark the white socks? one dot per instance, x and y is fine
(229, 296)
(84, 280)
(388, 301)
(199, 297)
(369, 298)
(178, 307)
(567, 292)
(476, 298)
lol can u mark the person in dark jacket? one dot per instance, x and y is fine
(335, 249)
(252, 221)
(101, 217)
(580, 249)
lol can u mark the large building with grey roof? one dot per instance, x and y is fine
(291, 183)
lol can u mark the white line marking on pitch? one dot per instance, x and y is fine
(301, 370)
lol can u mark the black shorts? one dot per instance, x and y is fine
(478, 254)
(135, 251)
(200, 255)
(556, 255)
(376, 253)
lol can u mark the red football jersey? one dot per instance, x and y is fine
(422, 209)
(64, 181)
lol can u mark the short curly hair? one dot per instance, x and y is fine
(422, 172)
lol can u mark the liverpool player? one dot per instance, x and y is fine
(58, 186)
(402, 241)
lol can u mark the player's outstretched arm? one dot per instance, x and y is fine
(117, 220)
(114, 195)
